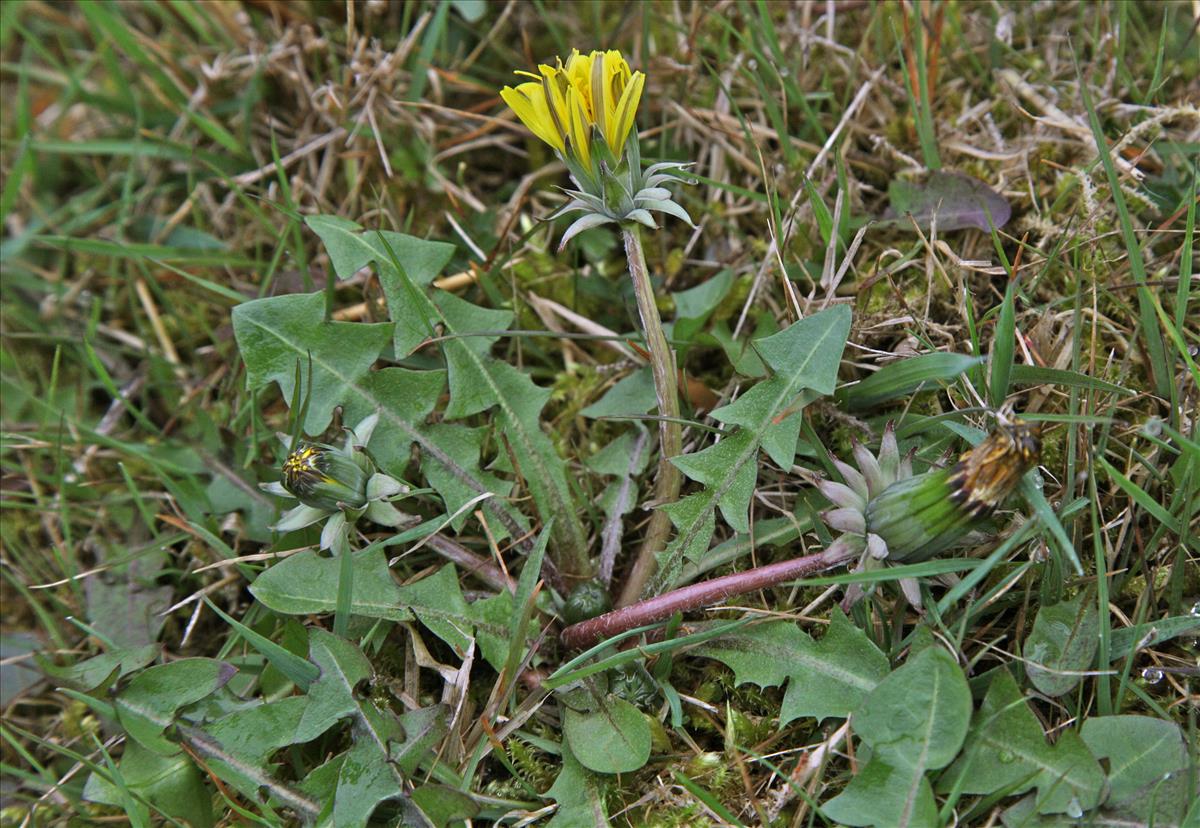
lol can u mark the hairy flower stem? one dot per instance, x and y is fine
(666, 377)
(707, 593)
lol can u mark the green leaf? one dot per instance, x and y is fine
(237, 747)
(449, 453)
(740, 352)
(1141, 753)
(467, 359)
(351, 249)
(903, 377)
(463, 446)
(404, 399)
(531, 573)
(126, 607)
(471, 10)
(1035, 375)
(277, 333)
(147, 706)
(625, 458)
(712, 468)
(366, 777)
(614, 458)
(885, 794)
(306, 584)
(1140, 496)
(320, 785)
(919, 713)
(914, 720)
(1003, 344)
(631, 396)
(496, 614)
(423, 731)
(385, 750)
(804, 356)
(171, 784)
(443, 805)
(1006, 750)
(829, 677)
(613, 738)
(99, 672)
(273, 333)
(693, 306)
(299, 671)
(1126, 640)
(1062, 644)
(1160, 367)
(20, 675)
(479, 382)
(578, 794)
(332, 696)
(438, 601)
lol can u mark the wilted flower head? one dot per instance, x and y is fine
(887, 511)
(585, 109)
(341, 484)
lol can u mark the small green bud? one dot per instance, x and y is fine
(703, 764)
(635, 685)
(327, 478)
(587, 600)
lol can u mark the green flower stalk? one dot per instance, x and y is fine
(338, 485)
(586, 109)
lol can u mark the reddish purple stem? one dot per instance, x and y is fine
(707, 593)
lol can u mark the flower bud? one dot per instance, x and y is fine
(326, 478)
(587, 600)
(634, 684)
(916, 517)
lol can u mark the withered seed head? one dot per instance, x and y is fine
(984, 476)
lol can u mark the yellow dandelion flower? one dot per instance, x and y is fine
(585, 108)
(564, 103)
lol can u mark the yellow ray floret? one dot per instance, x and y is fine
(593, 91)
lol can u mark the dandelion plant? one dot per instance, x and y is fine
(585, 109)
